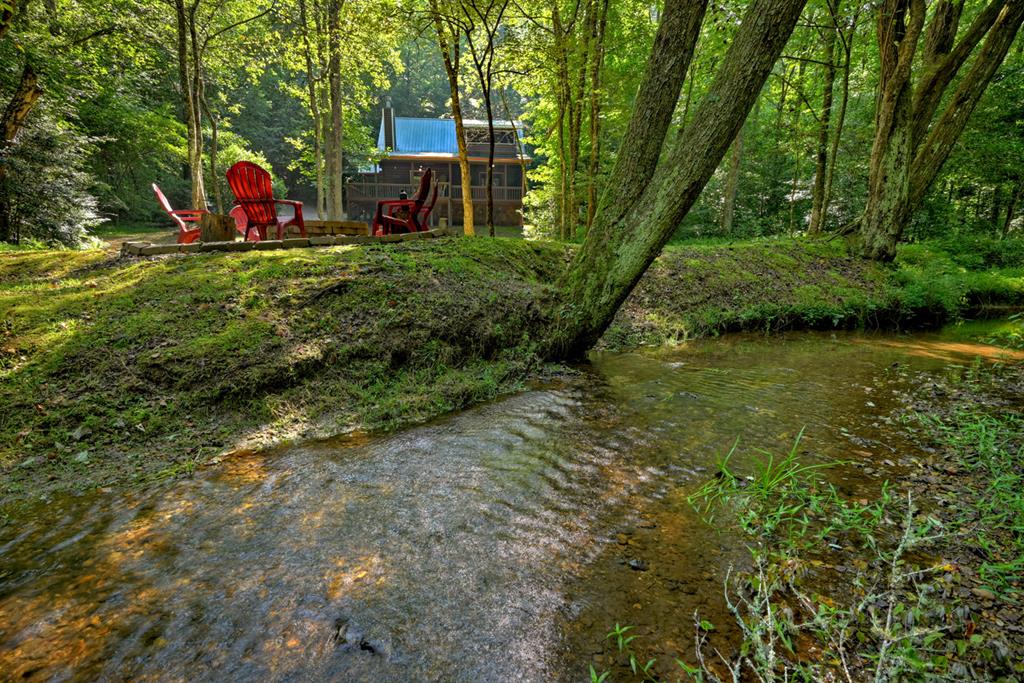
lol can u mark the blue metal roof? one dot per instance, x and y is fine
(414, 136)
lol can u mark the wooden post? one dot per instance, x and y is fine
(214, 227)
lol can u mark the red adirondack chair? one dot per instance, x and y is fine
(253, 192)
(424, 216)
(403, 214)
(241, 223)
(186, 235)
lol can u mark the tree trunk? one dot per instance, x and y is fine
(576, 119)
(489, 16)
(889, 183)
(596, 61)
(996, 208)
(215, 227)
(645, 200)
(314, 108)
(732, 182)
(942, 60)
(936, 147)
(187, 79)
(780, 108)
(520, 150)
(218, 186)
(325, 135)
(795, 128)
(564, 103)
(562, 218)
(1011, 207)
(465, 171)
(909, 150)
(334, 140)
(899, 25)
(691, 77)
(840, 118)
(490, 159)
(652, 112)
(14, 116)
(7, 16)
(828, 56)
(450, 52)
(20, 106)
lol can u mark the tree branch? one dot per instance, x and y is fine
(235, 25)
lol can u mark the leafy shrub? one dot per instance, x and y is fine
(47, 187)
(978, 252)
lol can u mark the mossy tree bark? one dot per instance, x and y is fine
(899, 24)
(908, 148)
(645, 200)
(934, 148)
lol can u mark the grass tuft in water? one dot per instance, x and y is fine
(785, 501)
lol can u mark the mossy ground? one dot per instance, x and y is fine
(119, 369)
(115, 370)
(699, 290)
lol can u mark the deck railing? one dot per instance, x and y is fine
(360, 190)
(501, 194)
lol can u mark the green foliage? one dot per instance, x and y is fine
(1010, 336)
(47, 186)
(784, 500)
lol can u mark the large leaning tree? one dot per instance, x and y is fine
(655, 180)
(912, 138)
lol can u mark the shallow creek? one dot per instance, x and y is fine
(497, 544)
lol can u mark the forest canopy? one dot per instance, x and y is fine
(893, 120)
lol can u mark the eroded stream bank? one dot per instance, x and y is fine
(500, 543)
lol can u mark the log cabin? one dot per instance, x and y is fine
(415, 144)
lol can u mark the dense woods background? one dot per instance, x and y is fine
(102, 99)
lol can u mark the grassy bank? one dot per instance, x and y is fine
(698, 290)
(115, 370)
(119, 369)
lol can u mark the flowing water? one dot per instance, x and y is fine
(497, 544)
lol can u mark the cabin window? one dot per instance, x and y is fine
(514, 175)
(480, 176)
